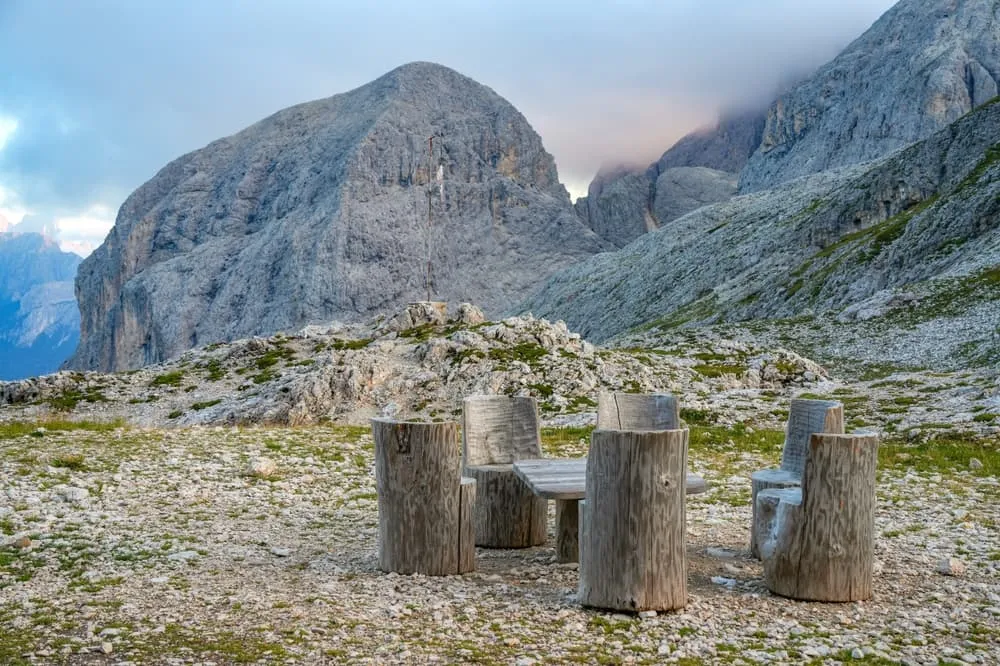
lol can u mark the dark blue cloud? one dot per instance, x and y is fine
(107, 92)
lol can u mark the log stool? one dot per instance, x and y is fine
(805, 417)
(632, 554)
(496, 431)
(817, 542)
(424, 505)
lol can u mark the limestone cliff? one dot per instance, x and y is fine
(921, 66)
(331, 209)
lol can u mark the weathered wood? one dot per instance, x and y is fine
(566, 478)
(496, 431)
(818, 541)
(508, 514)
(466, 526)
(634, 554)
(499, 429)
(805, 417)
(424, 507)
(567, 531)
(637, 411)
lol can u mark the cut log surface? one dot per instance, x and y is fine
(818, 542)
(633, 550)
(508, 514)
(637, 411)
(424, 506)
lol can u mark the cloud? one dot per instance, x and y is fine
(107, 93)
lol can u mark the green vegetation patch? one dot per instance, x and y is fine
(941, 453)
(525, 352)
(168, 379)
(206, 404)
(15, 429)
(342, 344)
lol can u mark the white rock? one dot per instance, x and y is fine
(183, 555)
(951, 566)
(262, 468)
(280, 552)
(975, 464)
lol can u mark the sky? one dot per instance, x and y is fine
(97, 96)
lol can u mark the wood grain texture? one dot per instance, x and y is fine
(499, 429)
(637, 411)
(424, 508)
(805, 417)
(466, 526)
(496, 431)
(567, 531)
(508, 514)
(633, 552)
(566, 478)
(819, 543)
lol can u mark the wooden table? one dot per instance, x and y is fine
(565, 481)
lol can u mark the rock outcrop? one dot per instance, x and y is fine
(921, 66)
(924, 222)
(331, 209)
(39, 320)
(623, 204)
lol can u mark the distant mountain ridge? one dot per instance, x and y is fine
(922, 65)
(332, 209)
(910, 242)
(39, 319)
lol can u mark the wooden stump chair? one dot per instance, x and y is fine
(817, 541)
(496, 431)
(632, 553)
(805, 417)
(637, 411)
(424, 505)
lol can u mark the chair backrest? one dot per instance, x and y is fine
(805, 417)
(499, 429)
(637, 411)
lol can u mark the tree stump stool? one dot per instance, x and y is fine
(424, 505)
(817, 542)
(637, 411)
(632, 551)
(496, 431)
(805, 417)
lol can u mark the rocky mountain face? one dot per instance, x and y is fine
(39, 319)
(332, 209)
(906, 248)
(725, 147)
(622, 204)
(921, 66)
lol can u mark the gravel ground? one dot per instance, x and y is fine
(162, 547)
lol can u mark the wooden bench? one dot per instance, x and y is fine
(565, 481)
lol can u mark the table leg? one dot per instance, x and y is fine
(567, 531)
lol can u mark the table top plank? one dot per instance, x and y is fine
(566, 478)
